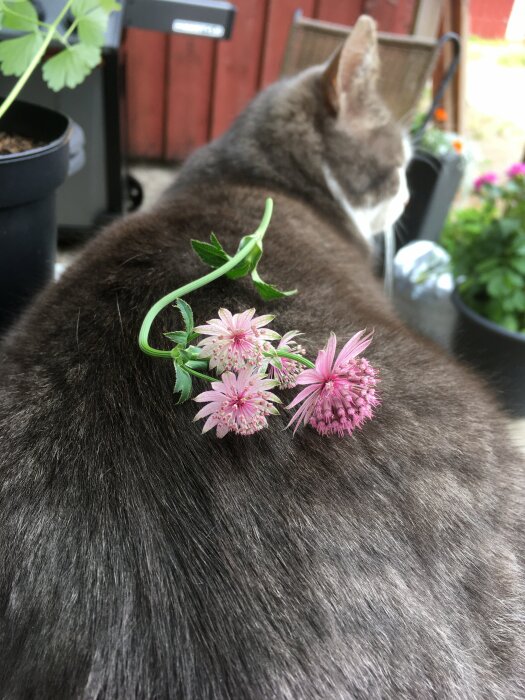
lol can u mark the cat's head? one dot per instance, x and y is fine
(324, 135)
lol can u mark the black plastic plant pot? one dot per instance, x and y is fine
(432, 182)
(28, 181)
(497, 353)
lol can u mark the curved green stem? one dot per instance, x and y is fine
(201, 282)
(34, 62)
(199, 374)
(291, 356)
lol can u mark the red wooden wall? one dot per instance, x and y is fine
(183, 91)
(488, 18)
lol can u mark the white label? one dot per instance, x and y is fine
(184, 26)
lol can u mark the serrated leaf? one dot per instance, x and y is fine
(183, 383)
(27, 23)
(212, 255)
(268, 292)
(109, 6)
(92, 27)
(16, 54)
(187, 314)
(249, 263)
(69, 67)
(178, 337)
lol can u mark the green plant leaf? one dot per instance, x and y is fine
(519, 265)
(178, 337)
(69, 67)
(187, 314)
(268, 292)
(183, 383)
(27, 23)
(109, 6)
(16, 54)
(92, 27)
(213, 254)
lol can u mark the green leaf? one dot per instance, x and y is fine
(267, 291)
(249, 263)
(16, 54)
(69, 67)
(109, 6)
(29, 21)
(519, 265)
(212, 253)
(187, 314)
(183, 384)
(178, 337)
(79, 8)
(92, 27)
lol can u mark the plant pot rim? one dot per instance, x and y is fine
(482, 321)
(48, 147)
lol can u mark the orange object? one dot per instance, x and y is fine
(440, 114)
(457, 145)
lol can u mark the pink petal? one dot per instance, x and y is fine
(262, 320)
(303, 395)
(353, 347)
(243, 320)
(309, 376)
(212, 395)
(208, 409)
(226, 317)
(222, 430)
(287, 337)
(210, 423)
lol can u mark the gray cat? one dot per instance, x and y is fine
(141, 559)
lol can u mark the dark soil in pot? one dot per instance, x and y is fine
(28, 180)
(496, 352)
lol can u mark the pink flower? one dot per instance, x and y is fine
(289, 369)
(489, 178)
(516, 169)
(238, 403)
(339, 395)
(235, 341)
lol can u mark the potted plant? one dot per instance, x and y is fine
(487, 247)
(433, 176)
(34, 141)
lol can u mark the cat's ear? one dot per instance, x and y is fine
(352, 71)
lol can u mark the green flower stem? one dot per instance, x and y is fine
(291, 356)
(36, 60)
(199, 374)
(201, 282)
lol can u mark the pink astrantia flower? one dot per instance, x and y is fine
(340, 394)
(489, 178)
(238, 403)
(235, 341)
(289, 369)
(516, 169)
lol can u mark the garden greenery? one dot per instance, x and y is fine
(79, 45)
(487, 247)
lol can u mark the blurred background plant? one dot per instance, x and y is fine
(487, 247)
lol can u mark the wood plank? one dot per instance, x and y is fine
(189, 86)
(237, 68)
(428, 18)
(394, 16)
(341, 12)
(145, 92)
(278, 25)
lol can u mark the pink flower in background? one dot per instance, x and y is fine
(340, 394)
(516, 169)
(238, 403)
(289, 369)
(489, 178)
(235, 341)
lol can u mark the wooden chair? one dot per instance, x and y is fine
(407, 62)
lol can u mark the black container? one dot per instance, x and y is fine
(432, 183)
(28, 181)
(498, 353)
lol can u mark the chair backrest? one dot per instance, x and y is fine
(407, 62)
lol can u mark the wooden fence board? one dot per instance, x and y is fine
(189, 86)
(236, 76)
(279, 21)
(145, 92)
(340, 12)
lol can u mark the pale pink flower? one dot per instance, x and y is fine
(339, 395)
(516, 169)
(238, 403)
(489, 178)
(289, 369)
(235, 341)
